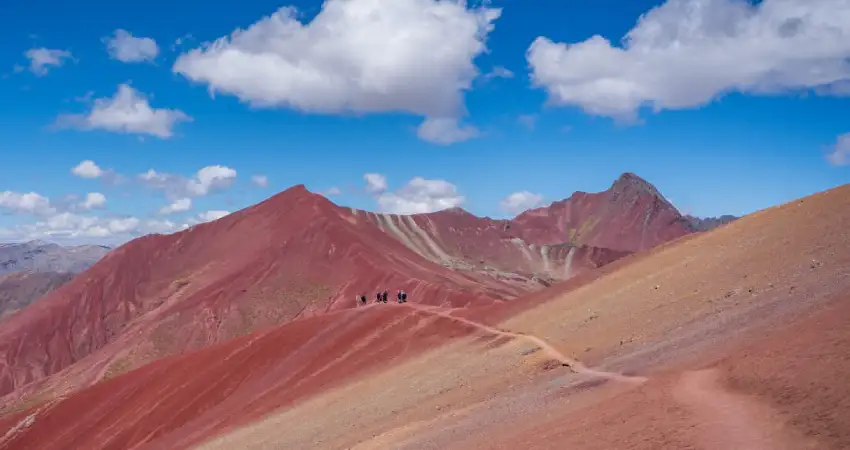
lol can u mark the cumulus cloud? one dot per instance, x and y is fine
(205, 181)
(355, 56)
(29, 203)
(420, 195)
(375, 182)
(93, 200)
(686, 53)
(260, 180)
(520, 201)
(87, 169)
(70, 226)
(211, 178)
(90, 170)
(160, 226)
(179, 205)
(209, 216)
(332, 191)
(444, 131)
(42, 59)
(128, 111)
(124, 47)
(840, 152)
(499, 72)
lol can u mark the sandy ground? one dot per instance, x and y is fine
(706, 321)
(735, 338)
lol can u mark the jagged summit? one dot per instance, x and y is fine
(630, 182)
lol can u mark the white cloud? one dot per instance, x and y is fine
(93, 200)
(41, 59)
(30, 203)
(420, 196)
(127, 111)
(160, 226)
(333, 191)
(260, 180)
(520, 201)
(124, 47)
(685, 53)
(120, 226)
(205, 181)
(152, 176)
(840, 154)
(362, 56)
(179, 205)
(87, 169)
(209, 216)
(445, 131)
(499, 72)
(75, 228)
(375, 182)
(211, 178)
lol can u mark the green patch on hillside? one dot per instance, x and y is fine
(117, 367)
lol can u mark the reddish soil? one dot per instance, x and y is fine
(462, 241)
(294, 255)
(183, 308)
(176, 401)
(631, 216)
(166, 294)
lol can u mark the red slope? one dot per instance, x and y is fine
(630, 216)
(293, 255)
(177, 401)
(470, 244)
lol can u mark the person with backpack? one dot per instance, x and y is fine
(403, 297)
(384, 296)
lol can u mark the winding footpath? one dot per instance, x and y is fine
(574, 365)
(726, 420)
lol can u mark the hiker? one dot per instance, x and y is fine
(378, 297)
(384, 296)
(398, 295)
(403, 297)
(363, 299)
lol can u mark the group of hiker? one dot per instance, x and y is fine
(381, 297)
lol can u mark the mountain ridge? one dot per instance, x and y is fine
(291, 256)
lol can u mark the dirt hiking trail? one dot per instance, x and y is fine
(728, 420)
(574, 365)
(725, 420)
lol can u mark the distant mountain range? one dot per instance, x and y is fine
(40, 256)
(296, 255)
(708, 223)
(19, 289)
(30, 270)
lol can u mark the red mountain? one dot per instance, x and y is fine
(630, 216)
(464, 242)
(297, 255)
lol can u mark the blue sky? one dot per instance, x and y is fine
(726, 107)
